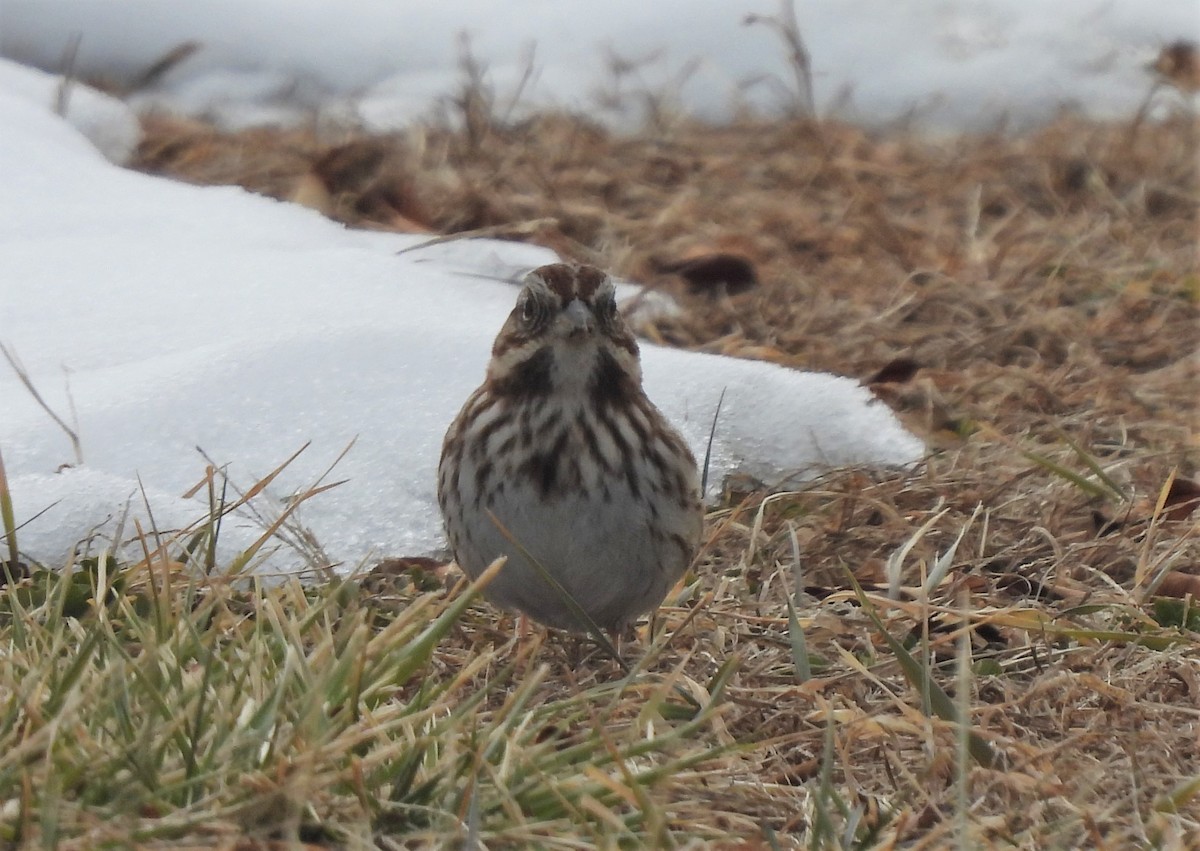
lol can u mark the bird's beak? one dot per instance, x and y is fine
(578, 318)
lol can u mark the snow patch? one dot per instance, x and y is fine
(184, 323)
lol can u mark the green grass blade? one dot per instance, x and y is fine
(1082, 482)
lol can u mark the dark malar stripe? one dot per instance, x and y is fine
(529, 379)
(610, 384)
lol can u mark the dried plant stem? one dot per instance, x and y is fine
(787, 26)
(25, 379)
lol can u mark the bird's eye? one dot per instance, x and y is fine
(529, 311)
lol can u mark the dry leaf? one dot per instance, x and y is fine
(895, 371)
(1182, 499)
(1178, 65)
(716, 273)
(1176, 584)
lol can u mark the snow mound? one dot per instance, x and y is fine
(184, 324)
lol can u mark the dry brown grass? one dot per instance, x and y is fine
(1046, 289)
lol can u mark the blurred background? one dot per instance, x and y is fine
(957, 64)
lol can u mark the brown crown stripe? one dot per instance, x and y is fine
(571, 282)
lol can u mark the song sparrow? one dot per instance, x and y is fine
(562, 447)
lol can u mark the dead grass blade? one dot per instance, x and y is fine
(24, 377)
(9, 522)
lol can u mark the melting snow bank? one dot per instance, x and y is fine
(175, 320)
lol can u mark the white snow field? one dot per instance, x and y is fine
(171, 317)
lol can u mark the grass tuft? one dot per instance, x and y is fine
(289, 711)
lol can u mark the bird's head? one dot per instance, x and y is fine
(565, 335)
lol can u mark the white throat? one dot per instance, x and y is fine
(574, 365)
